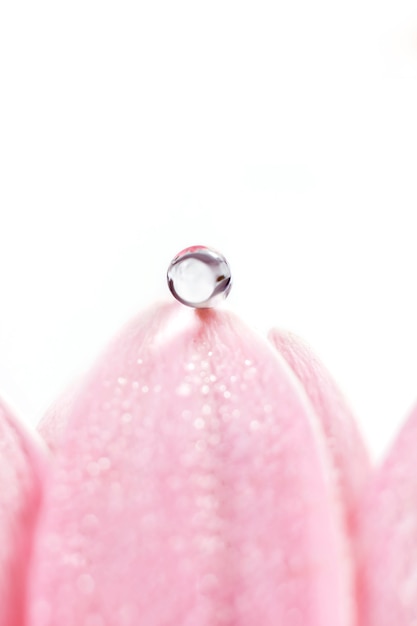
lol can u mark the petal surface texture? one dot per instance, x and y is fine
(20, 470)
(192, 487)
(350, 460)
(388, 538)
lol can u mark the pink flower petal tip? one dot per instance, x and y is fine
(21, 468)
(193, 486)
(387, 537)
(349, 458)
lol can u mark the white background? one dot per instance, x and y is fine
(282, 133)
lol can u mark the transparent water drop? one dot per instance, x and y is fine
(199, 277)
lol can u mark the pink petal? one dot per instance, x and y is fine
(349, 457)
(20, 468)
(192, 488)
(387, 529)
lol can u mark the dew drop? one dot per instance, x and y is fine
(199, 277)
(104, 463)
(183, 390)
(93, 468)
(85, 584)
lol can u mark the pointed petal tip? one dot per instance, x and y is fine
(190, 470)
(22, 467)
(387, 536)
(347, 450)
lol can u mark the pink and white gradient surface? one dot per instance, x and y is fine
(199, 476)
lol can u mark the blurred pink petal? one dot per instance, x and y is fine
(348, 455)
(192, 487)
(387, 529)
(20, 469)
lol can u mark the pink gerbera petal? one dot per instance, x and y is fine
(387, 529)
(192, 487)
(348, 455)
(21, 465)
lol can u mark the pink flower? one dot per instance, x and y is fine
(203, 476)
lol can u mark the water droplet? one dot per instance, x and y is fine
(93, 468)
(184, 389)
(104, 463)
(89, 522)
(199, 277)
(200, 445)
(85, 584)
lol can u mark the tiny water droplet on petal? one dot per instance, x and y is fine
(199, 277)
